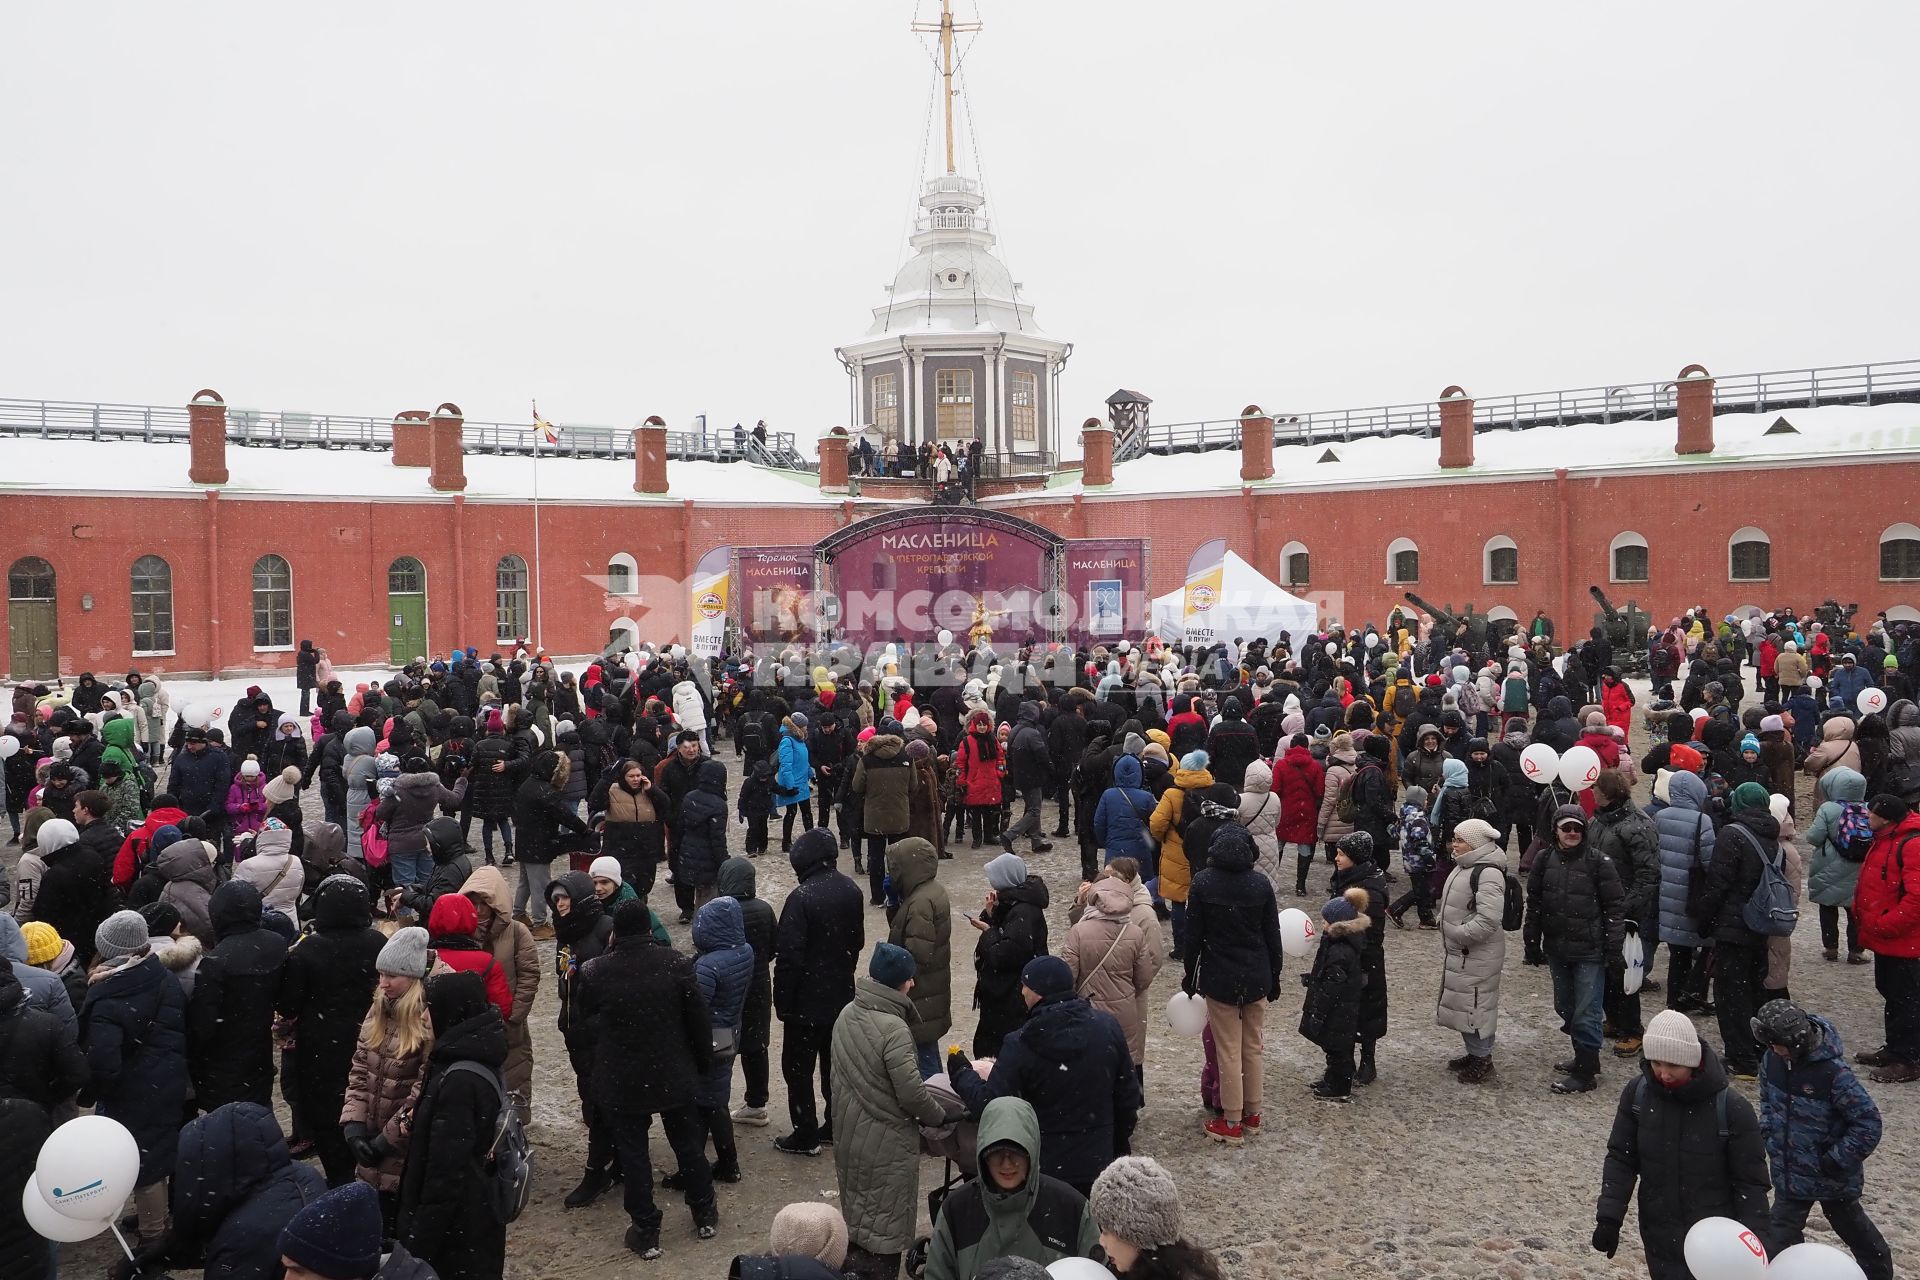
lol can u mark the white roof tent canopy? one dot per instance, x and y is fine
(1249, 606)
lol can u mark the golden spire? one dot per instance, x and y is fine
(946, 29)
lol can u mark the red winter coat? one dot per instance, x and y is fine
(1887, 897)
(1617, 701)
(979, 773)
(1769, 654)
(1300, 783)
(451, 927)
(126, 863)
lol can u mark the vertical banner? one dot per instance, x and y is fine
(773, 593)
(1206, 572)
(1106, 580)
(709, 590)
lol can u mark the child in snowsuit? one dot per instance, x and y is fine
(1331, 1015)
(1417, 857)
(755, 803)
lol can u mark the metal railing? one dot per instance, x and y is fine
(78, 420)
(1882, 383)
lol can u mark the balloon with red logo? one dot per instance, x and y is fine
(1296, 933)
(1723, 1249)
(1579, 767)
(1871, 701)
(1541, 764)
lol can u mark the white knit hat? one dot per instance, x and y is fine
(1670, 1038)
(605, 868)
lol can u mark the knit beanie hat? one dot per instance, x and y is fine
(406, 954)
(1195, 761)
(1357, 845)
(891, 965)
(1134, 1199)
(1750, 743)
(43, 941)
(812, 1229)
(338, 1235)
(162, 919)
(605, 868)
(1670, 1038)
(1005, 872)
(249, 768)
(1749, 795)
(1047, 976)
(1890, 807)
(283, 787)
(1338, 910)
(124, 933)
(1685, 758)
(1772, 724)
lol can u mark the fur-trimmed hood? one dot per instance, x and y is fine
(1353, 928)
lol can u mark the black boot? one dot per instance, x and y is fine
(592, 1186)
(1367, 1073)
(1584, 1077)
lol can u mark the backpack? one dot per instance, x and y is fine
(509, 1157)
(1513, 910)
(1200, 817)
(753, 736)
(373, 840)
(1895, 777)
(1853, 836)
(1770, 911)
(1343, 806)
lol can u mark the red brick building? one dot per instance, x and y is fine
(208, 556)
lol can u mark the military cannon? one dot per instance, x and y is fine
(1467, 628)
(1835, 617)
(1626, 630)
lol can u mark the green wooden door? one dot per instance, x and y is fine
(33, 642)
(406, 610)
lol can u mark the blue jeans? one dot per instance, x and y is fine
(928, 1055)
(1579, 994)
(411, 869)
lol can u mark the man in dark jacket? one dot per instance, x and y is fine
(653, 1043)
(702, 831)
(737, 881)
(1624, 835)
(1691, 1143)
(1740, 954)
(821, 935)
(328, 762)
(1069, 1060)
(326, 989)
(1232, 746)
(1066, 743)
(234, 1187)
(230, 1018)
(540, 813)
(1233, 959)
(1574, 914)
(199, 776)
(76, 890)
(1029, 769)
(673, 778)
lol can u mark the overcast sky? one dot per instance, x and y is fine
(632, 208)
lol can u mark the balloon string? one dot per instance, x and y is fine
(115, 1228)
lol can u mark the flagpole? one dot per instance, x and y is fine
(537, 628)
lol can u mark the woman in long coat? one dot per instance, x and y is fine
(1471, 906)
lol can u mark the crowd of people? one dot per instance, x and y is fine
(186, 931)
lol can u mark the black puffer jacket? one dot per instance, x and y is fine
(452, 865)
(1734, 873)
(1069, 1060)
(1626, 836)
(652, 1034)
(444, 1218)
(133, 1029)
(326, 987)
(1016, 932)
(1574, 904)
(230, 1020)
(23, 1128)
(540, 809)
(235, 1187)
(490, 794)
(1373, 1000)
(1233, 926)
(1668, 1140)
(38, 1058)
(1330, 1014)
(1231, 747)
(583, 934)
(822, 932)
(76, 894)
(702, 831)
(1029, 764)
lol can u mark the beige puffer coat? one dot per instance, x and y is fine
(1476, 945)
(1342, 762)
(1836, 747)
(923, 924)
(515, 951)
(381, 1084)
(1260, 815)
(1115, 950)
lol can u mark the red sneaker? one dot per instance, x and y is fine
(1252, 1125)
(1226, 1131)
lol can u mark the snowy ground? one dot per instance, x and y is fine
(1420, 1177)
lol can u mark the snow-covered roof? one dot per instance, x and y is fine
(1825, 434)
(87, 466)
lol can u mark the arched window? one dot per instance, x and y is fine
(33, 629)
(406, 577)
(152, 605)
(623, 574)
(1749, 556)
(30, 578)
(510, 598)
(1900, 553)
(1627, 558)
(1500, 561)
(1295, 565)
(272, 603)
(1403, 562)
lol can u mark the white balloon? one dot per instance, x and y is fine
(1815, 682)
(1186, 1014)
(1332, 648)
(198, 715)
(87, 1167)
(1812, 1261)
(1077, 1269)
(539, 738)
(1541, 763)
(1871, 701)
(1296, 933)
(50, 1225)
(1722, 1249)
(1634, 952)
(9, 747)
(1372, 641)
(1698, 714)
(1560, 665)
(945, 637)
(1579, 767)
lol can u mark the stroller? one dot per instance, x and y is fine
(953, 1144)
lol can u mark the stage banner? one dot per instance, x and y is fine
(981, 581)
(1106, 581)
(1205, 573)
(772, 601)
(709, 588)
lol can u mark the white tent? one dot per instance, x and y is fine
(1249, 606)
